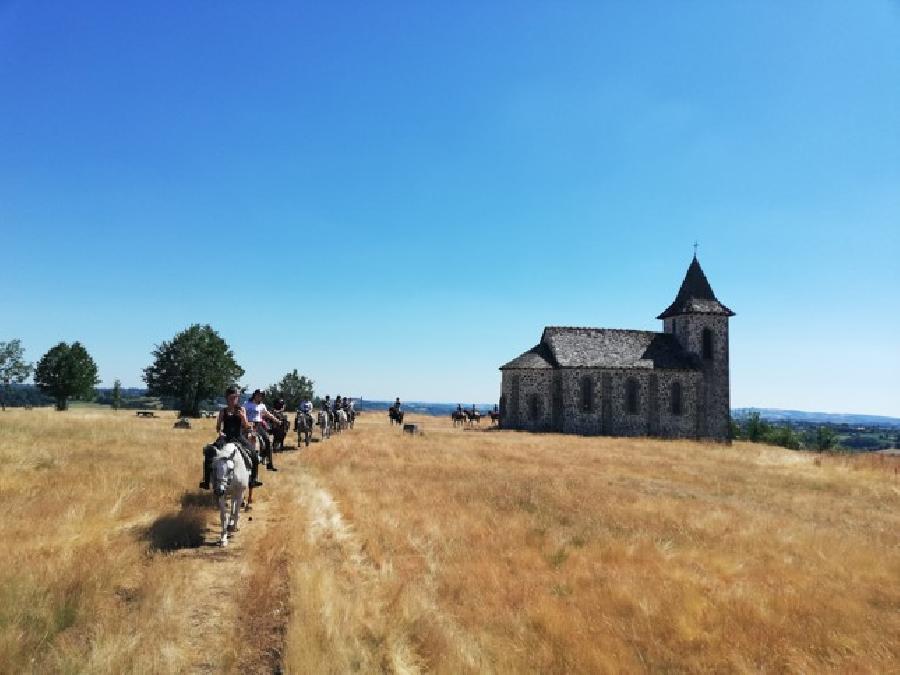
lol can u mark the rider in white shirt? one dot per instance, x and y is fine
(258, 414)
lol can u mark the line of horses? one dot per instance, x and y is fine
(230, 479)
(472, 417)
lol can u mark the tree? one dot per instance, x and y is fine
(12, 367)
(825, 439)
(194, 366)
(66, 371)
(293, 388)
(784, 436)
(117, 395)
(756, 429)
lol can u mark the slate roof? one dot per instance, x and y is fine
(538, 356)
(570, 347)
(695, 296)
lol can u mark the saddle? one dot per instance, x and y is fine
(242, 449)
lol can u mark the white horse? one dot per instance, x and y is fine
(230, 477)
(340, 420)
(324, 423)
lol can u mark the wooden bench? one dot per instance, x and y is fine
(145, 413)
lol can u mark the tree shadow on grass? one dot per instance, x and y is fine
(173, 532)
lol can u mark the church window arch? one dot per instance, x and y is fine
(534, 407)
(707, 344)
(632, 396)
(675, 400)
(587, 393)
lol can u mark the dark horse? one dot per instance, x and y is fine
(495, 417)
(279, 431)
(395, 415)
(303, 425)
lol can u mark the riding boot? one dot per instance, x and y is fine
(254, 472)
(208, 454)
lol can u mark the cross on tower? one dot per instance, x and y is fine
(695, 248)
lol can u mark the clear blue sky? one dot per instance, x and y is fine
(395, 198)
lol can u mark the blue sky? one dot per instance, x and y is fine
(395, 198)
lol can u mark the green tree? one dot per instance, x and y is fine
(66, 371)
(755, 429)
(784, 436)
(194, 366)
(117, 395)
(734, 430)
(12, 367)
(825, 439)
(293, 388)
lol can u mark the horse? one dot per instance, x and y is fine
(351, 416)
(324, 423)
(395, 415)
(303, 425)
(495, 417)
(459, 418)
(340, 420)
(473, 417)
(230, 477)
(279, 431)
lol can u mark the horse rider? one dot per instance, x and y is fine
(305, 409)
(397, 404)
(231, 425)
(258, 414)
(338, 405)
(459, 409)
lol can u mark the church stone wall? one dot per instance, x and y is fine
(608, 412)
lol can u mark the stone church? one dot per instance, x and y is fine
(672, 384)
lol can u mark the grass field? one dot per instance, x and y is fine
(455, 551)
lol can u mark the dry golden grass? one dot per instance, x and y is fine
(511, 552)
(450, 552)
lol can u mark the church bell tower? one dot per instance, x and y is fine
(700, 323)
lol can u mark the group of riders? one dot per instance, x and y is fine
(236, 423)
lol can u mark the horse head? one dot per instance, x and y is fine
(223, 469)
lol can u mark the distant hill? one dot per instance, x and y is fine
(801, 416)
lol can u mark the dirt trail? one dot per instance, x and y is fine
(245, 631)
(220, 616)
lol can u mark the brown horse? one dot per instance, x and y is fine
(279, 431)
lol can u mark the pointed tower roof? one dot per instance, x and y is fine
(695, 296)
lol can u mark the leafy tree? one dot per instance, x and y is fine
(825, 439)
(12, 367)
(734, 430)
(117, 395)
(293, 388)
(194, 366)
(66, 371)
(784, 436)
(755, 429)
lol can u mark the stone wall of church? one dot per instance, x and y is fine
(594, 401)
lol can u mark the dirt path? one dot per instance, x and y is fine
(222, 622)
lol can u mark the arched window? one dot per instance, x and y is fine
(534, 407)
(707, 343)
(676, 398)
(632, 396)
(587, 394)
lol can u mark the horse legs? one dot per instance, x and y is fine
(235, 509)
(223, 517)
